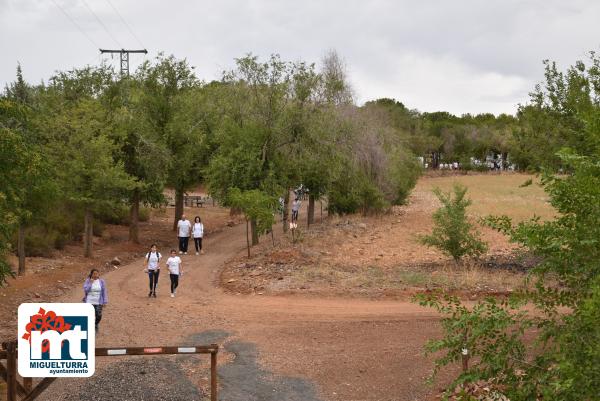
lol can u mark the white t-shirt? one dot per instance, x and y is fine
(198, 230)
(184, 228)
(296, 206)
(153, 258)
(174, 262)
(93, 295)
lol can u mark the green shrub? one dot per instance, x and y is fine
(560, 359)
(39, 242)
(120, 215)
(404, 173)
(452, 233)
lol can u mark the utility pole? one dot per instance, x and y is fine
(124, 58)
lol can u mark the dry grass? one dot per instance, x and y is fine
(497, 194)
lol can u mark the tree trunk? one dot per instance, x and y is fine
(21, 249)
(134, 217)
(286, 209)
(88, 234)
(247, 238)
(321, 203)
(254, 228)
(435, 160)
(178, 207)
(311, 210)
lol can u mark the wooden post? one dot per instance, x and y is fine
(28, 384)
(11, 368)
(88, 236)
(213, 376)
(465, 353)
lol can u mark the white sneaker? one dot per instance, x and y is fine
(185, 253)
(197, 253)
(172, 295)
(180, 252)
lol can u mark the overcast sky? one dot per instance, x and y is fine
(460, 56)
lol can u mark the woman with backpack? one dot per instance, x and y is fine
(153, 268)
(198, 233)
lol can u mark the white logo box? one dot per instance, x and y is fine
(78, 360)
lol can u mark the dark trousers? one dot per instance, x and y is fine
(98, 313)
(198, 244)
(183, 243)
(153, 276)
(294, 216)
(174, 281)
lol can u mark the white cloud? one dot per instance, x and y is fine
(461, 56)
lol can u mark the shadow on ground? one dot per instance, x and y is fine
(244, 380)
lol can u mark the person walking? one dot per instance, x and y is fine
(94, 292)
(198, 233)
(295, 209)
(153, 269)
(184, 227)
(175, 267)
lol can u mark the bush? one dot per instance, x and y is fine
(353, 192)
(560, 359)
(452, 232)
(404, 173)
(120, 215)
(39, 242)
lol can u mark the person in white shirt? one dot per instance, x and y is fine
(94, 292)
(175, 267)
(183, 233)
(153, 268)
(198, 233)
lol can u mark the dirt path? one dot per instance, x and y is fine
(289, 347)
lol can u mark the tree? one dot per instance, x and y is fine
(559, 359)
(37, 185)
(15, 162)
(88, 173)
(257, 206)
(166, 101)
(139, 147)
(452, 233)
(252, 141)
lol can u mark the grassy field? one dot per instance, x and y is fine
(497, 194)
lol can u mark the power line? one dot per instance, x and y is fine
(76, 24)
(102, 23)
(126, 24)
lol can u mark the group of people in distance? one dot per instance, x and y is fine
(94, 287)
(185, 229)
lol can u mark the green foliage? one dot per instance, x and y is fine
(563, 112)
(453, 234)
(488, 334)
(256, 205)
(561, 362)
(404, 173)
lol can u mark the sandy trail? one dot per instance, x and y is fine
(350, 349)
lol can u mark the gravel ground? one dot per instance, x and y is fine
(164, 379)
(135, 379)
